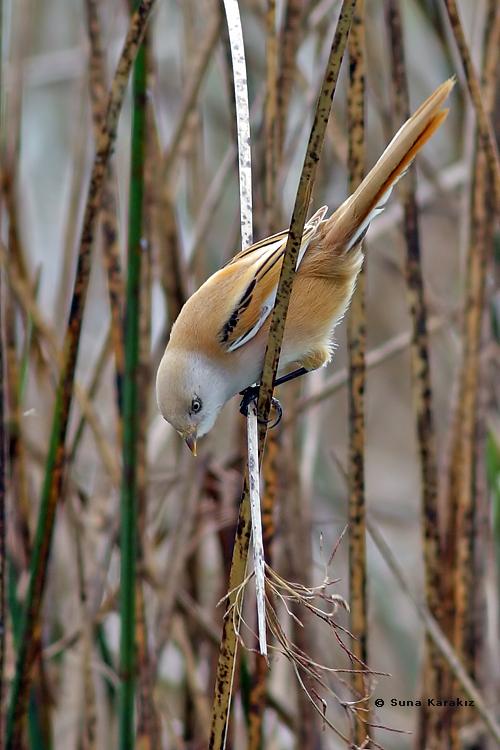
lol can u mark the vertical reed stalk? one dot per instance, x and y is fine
(109, 213)
(421, 375)
(30, 631)
(148, 722)
(462, 500)
(228, 645)
(128, 536)
(269, 468)
(356, 335)
(261, 667)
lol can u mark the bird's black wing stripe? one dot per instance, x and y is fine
(246, 299)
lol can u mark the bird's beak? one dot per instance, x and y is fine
(190, 441)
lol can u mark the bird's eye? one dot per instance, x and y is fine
(196, 405)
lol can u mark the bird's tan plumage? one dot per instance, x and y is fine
(224, 325)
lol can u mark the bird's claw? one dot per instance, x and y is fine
(279, 414)
(251, 394)
(248, 395)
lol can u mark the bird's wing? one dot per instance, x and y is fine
(260, 267)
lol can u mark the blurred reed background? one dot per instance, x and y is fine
(115, 551)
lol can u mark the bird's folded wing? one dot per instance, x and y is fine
(257, 269)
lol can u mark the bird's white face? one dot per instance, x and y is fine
(191, 392)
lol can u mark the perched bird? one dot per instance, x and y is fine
(217, 344)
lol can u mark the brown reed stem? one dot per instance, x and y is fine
(109, 212)
(421, 380)
(462, 501)
(356, 337)
(257, 697)
(258, 689)
(228, 646)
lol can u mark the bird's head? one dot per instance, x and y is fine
(191, 391)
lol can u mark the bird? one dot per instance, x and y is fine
(217, 343)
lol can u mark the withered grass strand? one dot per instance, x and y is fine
(356, 339)
(29, 642)
(312, 676)
(421, 378)
(228, 645)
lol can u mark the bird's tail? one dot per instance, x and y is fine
(348, 224)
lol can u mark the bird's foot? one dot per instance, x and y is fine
(248, 395)
(252, 394)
